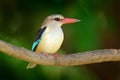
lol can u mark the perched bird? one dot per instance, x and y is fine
(50, 36)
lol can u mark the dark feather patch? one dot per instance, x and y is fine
(38, 37)
(39, 33)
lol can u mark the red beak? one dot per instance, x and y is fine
(69, 20)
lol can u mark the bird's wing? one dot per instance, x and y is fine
(38, 38)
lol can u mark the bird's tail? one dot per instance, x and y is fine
(31, 65)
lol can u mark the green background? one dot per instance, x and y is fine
(99, 29)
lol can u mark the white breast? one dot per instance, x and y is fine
(51, 40)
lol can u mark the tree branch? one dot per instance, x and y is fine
(96, 56)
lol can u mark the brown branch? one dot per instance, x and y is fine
(95, 56)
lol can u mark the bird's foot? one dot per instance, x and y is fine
(56, 56)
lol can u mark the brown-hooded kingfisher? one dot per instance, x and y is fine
(50, 36)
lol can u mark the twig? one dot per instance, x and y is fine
(96, 56)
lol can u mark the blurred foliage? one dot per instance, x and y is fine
(98, 29)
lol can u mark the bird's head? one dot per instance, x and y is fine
(58, 20)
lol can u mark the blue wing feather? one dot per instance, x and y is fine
(38, 38)
(35, 44)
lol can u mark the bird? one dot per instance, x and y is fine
(50, 36)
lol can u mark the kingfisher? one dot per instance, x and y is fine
(50, 36)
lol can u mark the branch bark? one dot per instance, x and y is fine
(96, 56)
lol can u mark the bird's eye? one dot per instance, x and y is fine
(57, 19)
